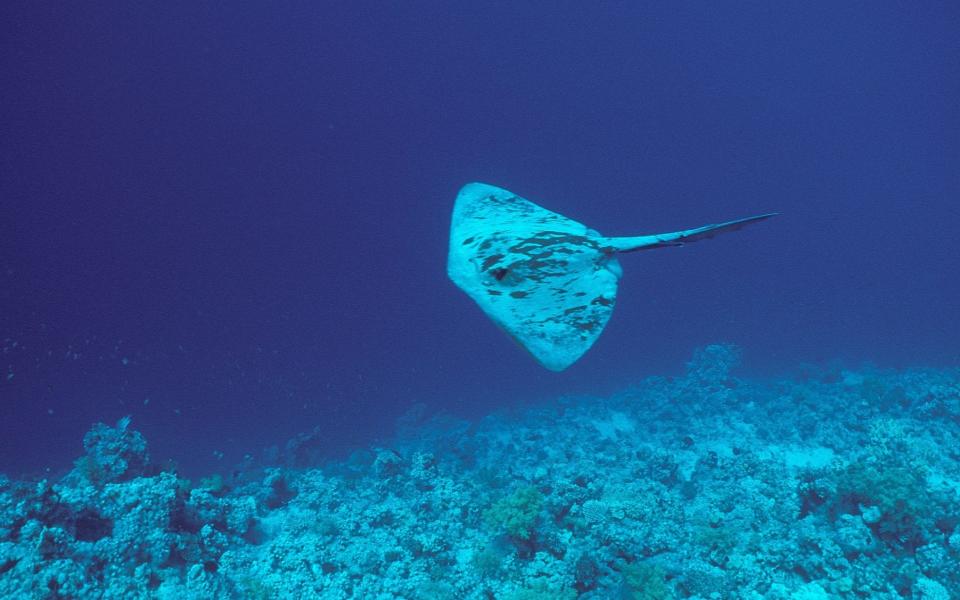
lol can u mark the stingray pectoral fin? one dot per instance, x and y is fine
(679, 238)
(548, 281)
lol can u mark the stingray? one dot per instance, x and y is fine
(548, 281)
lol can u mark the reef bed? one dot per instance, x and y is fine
(831, 484)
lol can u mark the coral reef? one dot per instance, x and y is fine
(839, 484)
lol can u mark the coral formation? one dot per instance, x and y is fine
(837, 484)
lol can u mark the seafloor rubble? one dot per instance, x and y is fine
(835, 484)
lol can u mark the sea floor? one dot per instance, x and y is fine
(831, 484)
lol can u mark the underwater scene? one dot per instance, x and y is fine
(480, 300)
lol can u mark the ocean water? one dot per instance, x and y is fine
(232, 364)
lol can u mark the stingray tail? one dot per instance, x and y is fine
(679, 238)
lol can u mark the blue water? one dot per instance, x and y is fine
(230, 221)
(232, 364)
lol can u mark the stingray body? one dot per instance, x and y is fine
(548, 281)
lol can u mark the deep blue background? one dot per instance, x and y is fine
(230, 222)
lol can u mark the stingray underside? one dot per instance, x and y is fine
(548, 281)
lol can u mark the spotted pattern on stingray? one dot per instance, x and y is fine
(532, 270)
(548, 281)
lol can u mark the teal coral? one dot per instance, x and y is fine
(541, 589)
(744, 489)
(517, 513)
(642, 581)
(889, 486)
